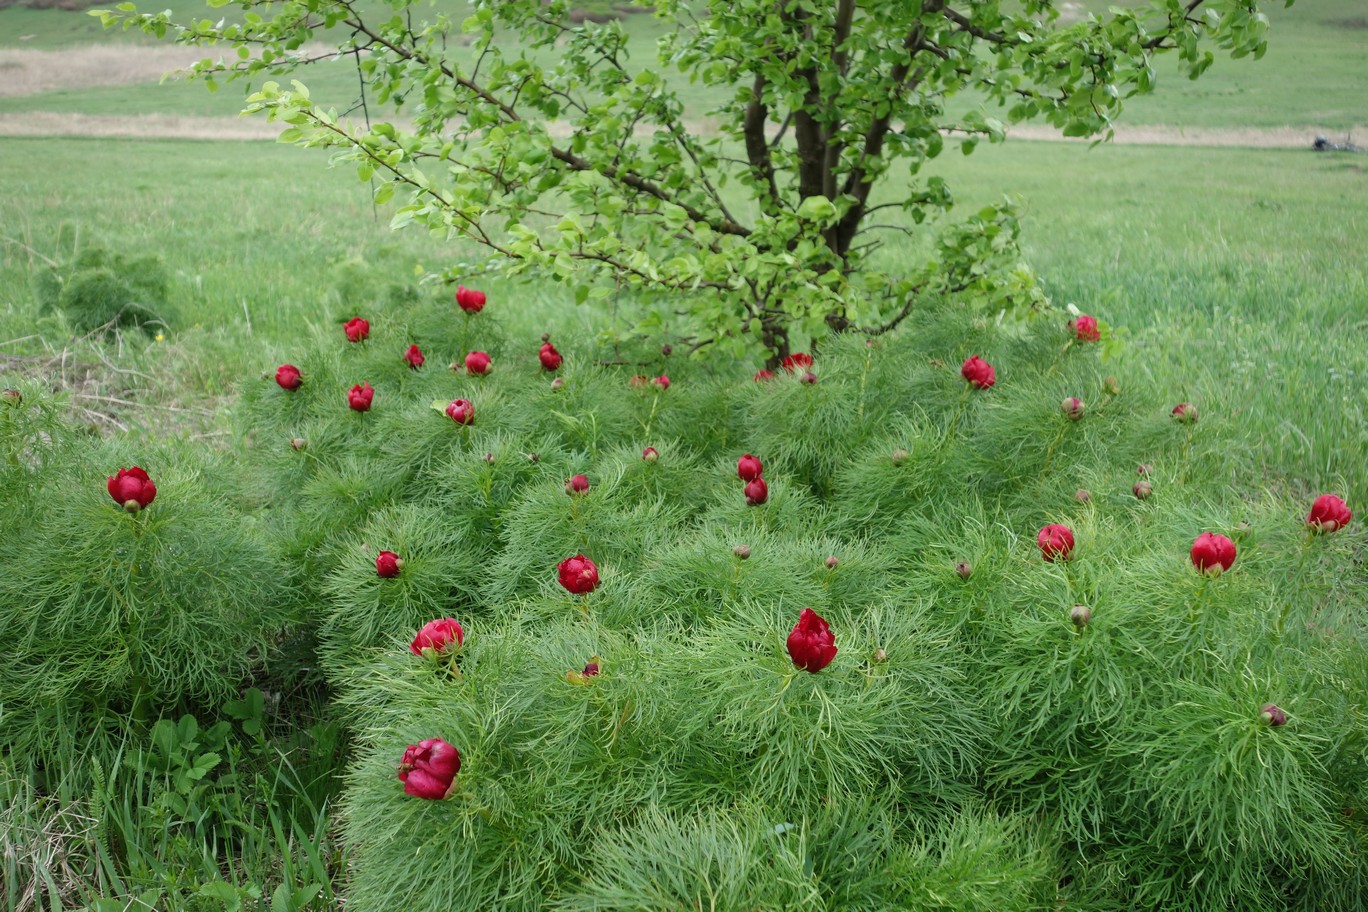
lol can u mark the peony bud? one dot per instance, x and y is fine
(428, 769)
(1144, 469)
(414, 357)
(298, 444)
(832, 562)
(578, 574)
(437, 637)
(1080, 615)
(1056, 541)
(533, 458)
(359, 397)
(287, 376)
(748, 468)
(1142, 490)
(880, 655)
(591, 668)
(1185, 412)
(1212, 554)
(899, 456)
(1328, 514)
(477, 363)
(388, 564)
(964, 570)
(638, 381)
(650, 454)
(11, 396)
(797, 360)
(489, 458)
(1272, 716)
(1082, 495)
(1072, 408)
(558, 383)
(546, 337)
(578, 484)
(469, 300)
(978, 373)
(666, 349)
(461, 411)
(757, 492)
(1085, 328)
(742, 552)
(549, 357)
(663, 382)
(763, 375)
(357, 329)
(132, 489)
(811, 643)
(1111, 386)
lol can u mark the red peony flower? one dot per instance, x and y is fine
(1056, 542)
(287, 375)
(436, 637)
(357, 329)
(359, 397)
(477, 363)
(591, 668)
(1212, 554)
(978, 372)
(461, 411)
(1085, 328)
(797, 360)
(1185, 412)
(469, 300)
(578, 574)
(811, 643)
(414, 357)
(132, 489)
(757, 492)
(1328, 514)
(763, 375)
(549, 357)
(662, 381)
(429, 769)
(748, 468)
(578, 484)
(388, 564)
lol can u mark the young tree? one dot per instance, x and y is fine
(545, 142)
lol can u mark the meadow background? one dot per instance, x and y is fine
(1231, 258)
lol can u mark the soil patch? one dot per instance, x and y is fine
(28, 72)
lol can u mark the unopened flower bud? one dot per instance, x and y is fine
(1142, 490)
(650, 454)
(964, 570)
(808, 377)
(1144, 469)
(899, 456)
(1072, 408)
(666, 349)
(1272, 715)
(132, 506)
(546, 337)
(1185, 412)
(1082, 495)
(533, 457)
(12, 396)
(832, 562)
(489, 458)
(1111, 387)
(558, 383)
(880, 655)
(1080, 615)
(298, 444)
(741, 551)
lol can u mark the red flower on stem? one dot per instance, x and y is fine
(578, 574)
(748, 468)
(288, 377)
(978, 373)
(1085, 328)
(429, 769)
(437, 637)
(1056, 542)
(477, 363)
(811, 643)
(132, 489)
(359, 397)
(461, 411)
(414, 357)
(757, 492)
(357, 329)
(1328, 514)
(388, 564)
(469, 300)
(548, 356)
(1212, 554)
(797, 360)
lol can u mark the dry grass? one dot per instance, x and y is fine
(45, 858)
(136, 126)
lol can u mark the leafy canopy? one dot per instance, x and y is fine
(546, 142)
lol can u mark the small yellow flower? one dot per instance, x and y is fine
(161, 337)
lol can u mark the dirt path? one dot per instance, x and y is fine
(165, 126)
